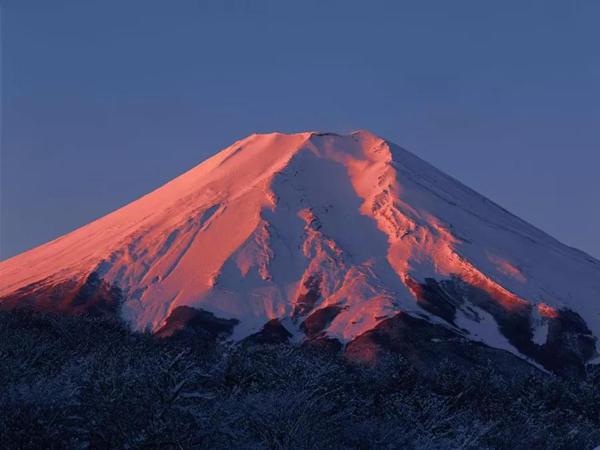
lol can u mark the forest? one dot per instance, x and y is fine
(84, 382)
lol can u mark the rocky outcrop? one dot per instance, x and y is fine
(92, 296)
(272, 333)
(192, 323)
(427, 346)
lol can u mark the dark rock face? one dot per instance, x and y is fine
(93, 297)
(428, 346)
(414, 338)
(569, 344)
(433, 299)
(306, 302)
(319, 320)
(188, 322)
(272, 333)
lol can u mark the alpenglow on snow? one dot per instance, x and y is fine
(330, 237)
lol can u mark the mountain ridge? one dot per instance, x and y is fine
(351, 229)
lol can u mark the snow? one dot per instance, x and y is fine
(482, 327)
(540, 333)
(240, 233)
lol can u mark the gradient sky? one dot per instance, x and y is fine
(105, 100)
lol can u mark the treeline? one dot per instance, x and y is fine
(69, 382)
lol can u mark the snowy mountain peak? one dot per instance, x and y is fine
(333, 236)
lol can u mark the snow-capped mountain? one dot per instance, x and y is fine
(347, 239)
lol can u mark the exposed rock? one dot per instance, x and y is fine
(319, 320)
(427, 346)
(188, 322)
(569, 344)
(272, 333)
(432, 298)
(93, 296)
(306, 301)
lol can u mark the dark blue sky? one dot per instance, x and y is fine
(106, 100)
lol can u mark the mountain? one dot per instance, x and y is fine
(347, 242)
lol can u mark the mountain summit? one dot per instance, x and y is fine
(319, 237)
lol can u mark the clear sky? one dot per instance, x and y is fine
(105, 100)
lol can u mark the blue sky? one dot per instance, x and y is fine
(104, 101)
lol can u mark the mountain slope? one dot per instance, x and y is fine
(332, 235)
